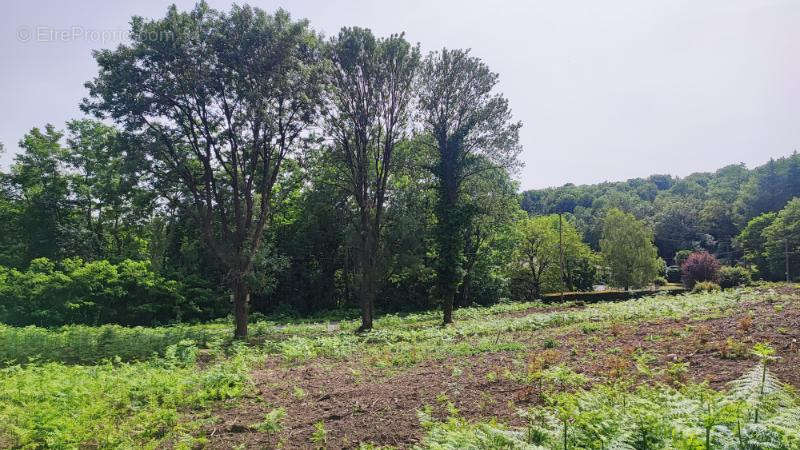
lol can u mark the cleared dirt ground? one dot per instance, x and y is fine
(358, 403)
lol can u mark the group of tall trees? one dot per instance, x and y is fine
(253, 164)
(230, 120)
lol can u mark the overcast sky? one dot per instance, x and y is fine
(606, 90)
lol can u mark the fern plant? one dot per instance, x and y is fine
(759, 388)
(758, 412)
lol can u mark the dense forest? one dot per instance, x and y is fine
(350, 172)
(716, 212)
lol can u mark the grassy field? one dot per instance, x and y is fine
(714, 370)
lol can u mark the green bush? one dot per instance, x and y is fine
(660, 281)
(93, 293)
(734, 276)
(705, 286)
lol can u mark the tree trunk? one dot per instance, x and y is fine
(786, 255)
(367, 280)
(449, 266)
(448, 308)
(464, 293)
(534, 293)
(241, 306)
(450, 228)
(366, 298)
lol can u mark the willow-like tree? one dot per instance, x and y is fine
(472, 131)
(371, 84)
(628, 250)
(226, 97)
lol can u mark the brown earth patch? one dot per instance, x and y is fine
(358, 404)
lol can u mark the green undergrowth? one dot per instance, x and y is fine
(397, 340)
(81, 344)
(757, 411)
(110, 386)
(404, 341)
(116, 404)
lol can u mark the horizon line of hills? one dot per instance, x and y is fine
(703, 210)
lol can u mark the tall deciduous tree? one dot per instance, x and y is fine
(752, 243)
(40, 190)
(782, 246)
(226, 97)
(537, 257)
(472, 131)
(628, 250)
(107, 187)
(372, 86)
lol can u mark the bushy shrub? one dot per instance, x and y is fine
(699, 266)
(674, 274)
(705, 286)
(734, 276)
(660, 281)
(93, 293)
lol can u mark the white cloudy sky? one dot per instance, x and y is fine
(606, 90)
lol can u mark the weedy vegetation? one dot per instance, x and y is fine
(112, 386)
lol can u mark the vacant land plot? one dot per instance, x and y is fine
(655, 370)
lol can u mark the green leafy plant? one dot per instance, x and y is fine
(730, 277)
(273, 421)
(320, 435)
(705, 286)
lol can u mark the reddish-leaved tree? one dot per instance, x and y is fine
(699, 266)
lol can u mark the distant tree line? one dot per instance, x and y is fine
(731, 213)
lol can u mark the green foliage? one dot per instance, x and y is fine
(673, 274)
(768, 188)
(113, 404)
(752, 242)
(627, 248)
(782, 238)
(705, 286)
(273, 421)
(79, 344)
(729, 277)
(769, 239)
(98, 292)
(536, 264)
(621, 416)
(320, 435)
(681, 256)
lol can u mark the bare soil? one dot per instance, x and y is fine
(364, 404)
